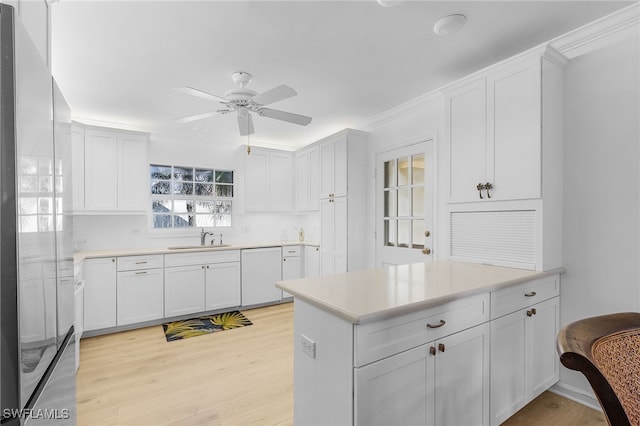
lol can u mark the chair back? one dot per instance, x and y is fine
(606, 349)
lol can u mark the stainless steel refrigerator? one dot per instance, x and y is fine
(37, 356)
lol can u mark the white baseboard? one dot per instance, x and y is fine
(576, 394)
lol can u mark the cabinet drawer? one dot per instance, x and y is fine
(201, 258)
(380, 339)
(134, 263)
(511, 299)
(290, 251)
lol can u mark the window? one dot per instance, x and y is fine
(190, 197)
(404, 202)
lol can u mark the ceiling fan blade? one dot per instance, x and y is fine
(245, 123)
(302, 120)
(201, 94)
(197, 117)
(274, 95)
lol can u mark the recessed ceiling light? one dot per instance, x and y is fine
(449, 24)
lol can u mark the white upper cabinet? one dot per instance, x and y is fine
(333, 160)
(115, 170)
(494, 128)
(268, 186)
(466, 124)
(307, 178)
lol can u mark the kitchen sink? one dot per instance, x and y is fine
(207, 247)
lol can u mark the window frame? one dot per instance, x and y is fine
(172, 197)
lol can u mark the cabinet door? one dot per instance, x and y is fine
(333, 235)
(280, 190)
(544, 360)
(326, 169)
(291, 270)
(311, 261)
(140, 296)
(340, 154)
(255, 177)
(509, 359)
(514, 131)
(314, 179)
(133, 194)
(184, 290)
(340, 220)
(99, 293)
(462, 378)
(465, 121)
(302, 181)
(327, 241)
(101, 170)
(223, 285)
(393, 391)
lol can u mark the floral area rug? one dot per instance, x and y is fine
(177, 330)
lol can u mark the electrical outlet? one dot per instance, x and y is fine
(308, 346)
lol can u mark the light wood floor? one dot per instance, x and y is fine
(236, 377)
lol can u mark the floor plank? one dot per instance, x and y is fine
(236, 377)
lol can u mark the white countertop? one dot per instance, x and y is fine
(87, 254)
(376, 294)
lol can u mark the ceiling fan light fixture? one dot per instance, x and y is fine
(449, 24)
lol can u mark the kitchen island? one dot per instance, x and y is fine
(444, 343)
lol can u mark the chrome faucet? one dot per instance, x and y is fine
(203, 235)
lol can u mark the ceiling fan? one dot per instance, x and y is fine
(245, 101)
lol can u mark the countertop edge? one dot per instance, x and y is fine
(412, 307)
(94, 254)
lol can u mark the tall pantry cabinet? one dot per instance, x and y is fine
(342, 201)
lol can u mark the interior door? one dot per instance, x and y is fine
(404, 204)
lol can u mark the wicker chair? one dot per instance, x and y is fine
(606, 349)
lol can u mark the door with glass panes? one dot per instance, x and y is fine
(404, 205)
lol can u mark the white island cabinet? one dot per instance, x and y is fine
(412, 344)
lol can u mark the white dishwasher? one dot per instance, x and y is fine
(261, 268)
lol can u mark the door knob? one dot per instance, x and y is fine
(426, 250)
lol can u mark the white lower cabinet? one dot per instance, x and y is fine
(291, 265)
(184, 290)
(203, 281)
(140, 289)
(427, 385)
(99, 293)
(524, 363)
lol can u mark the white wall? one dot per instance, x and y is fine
(601, 186)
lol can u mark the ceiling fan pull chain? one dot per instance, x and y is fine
(248, 145)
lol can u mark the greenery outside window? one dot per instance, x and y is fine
(183, 197)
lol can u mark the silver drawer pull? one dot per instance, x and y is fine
(442, 322)
(141, 263)
(530, 294)
(141, 273)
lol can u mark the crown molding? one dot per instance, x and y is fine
(602, 32)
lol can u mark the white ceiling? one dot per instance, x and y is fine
(119, 63)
